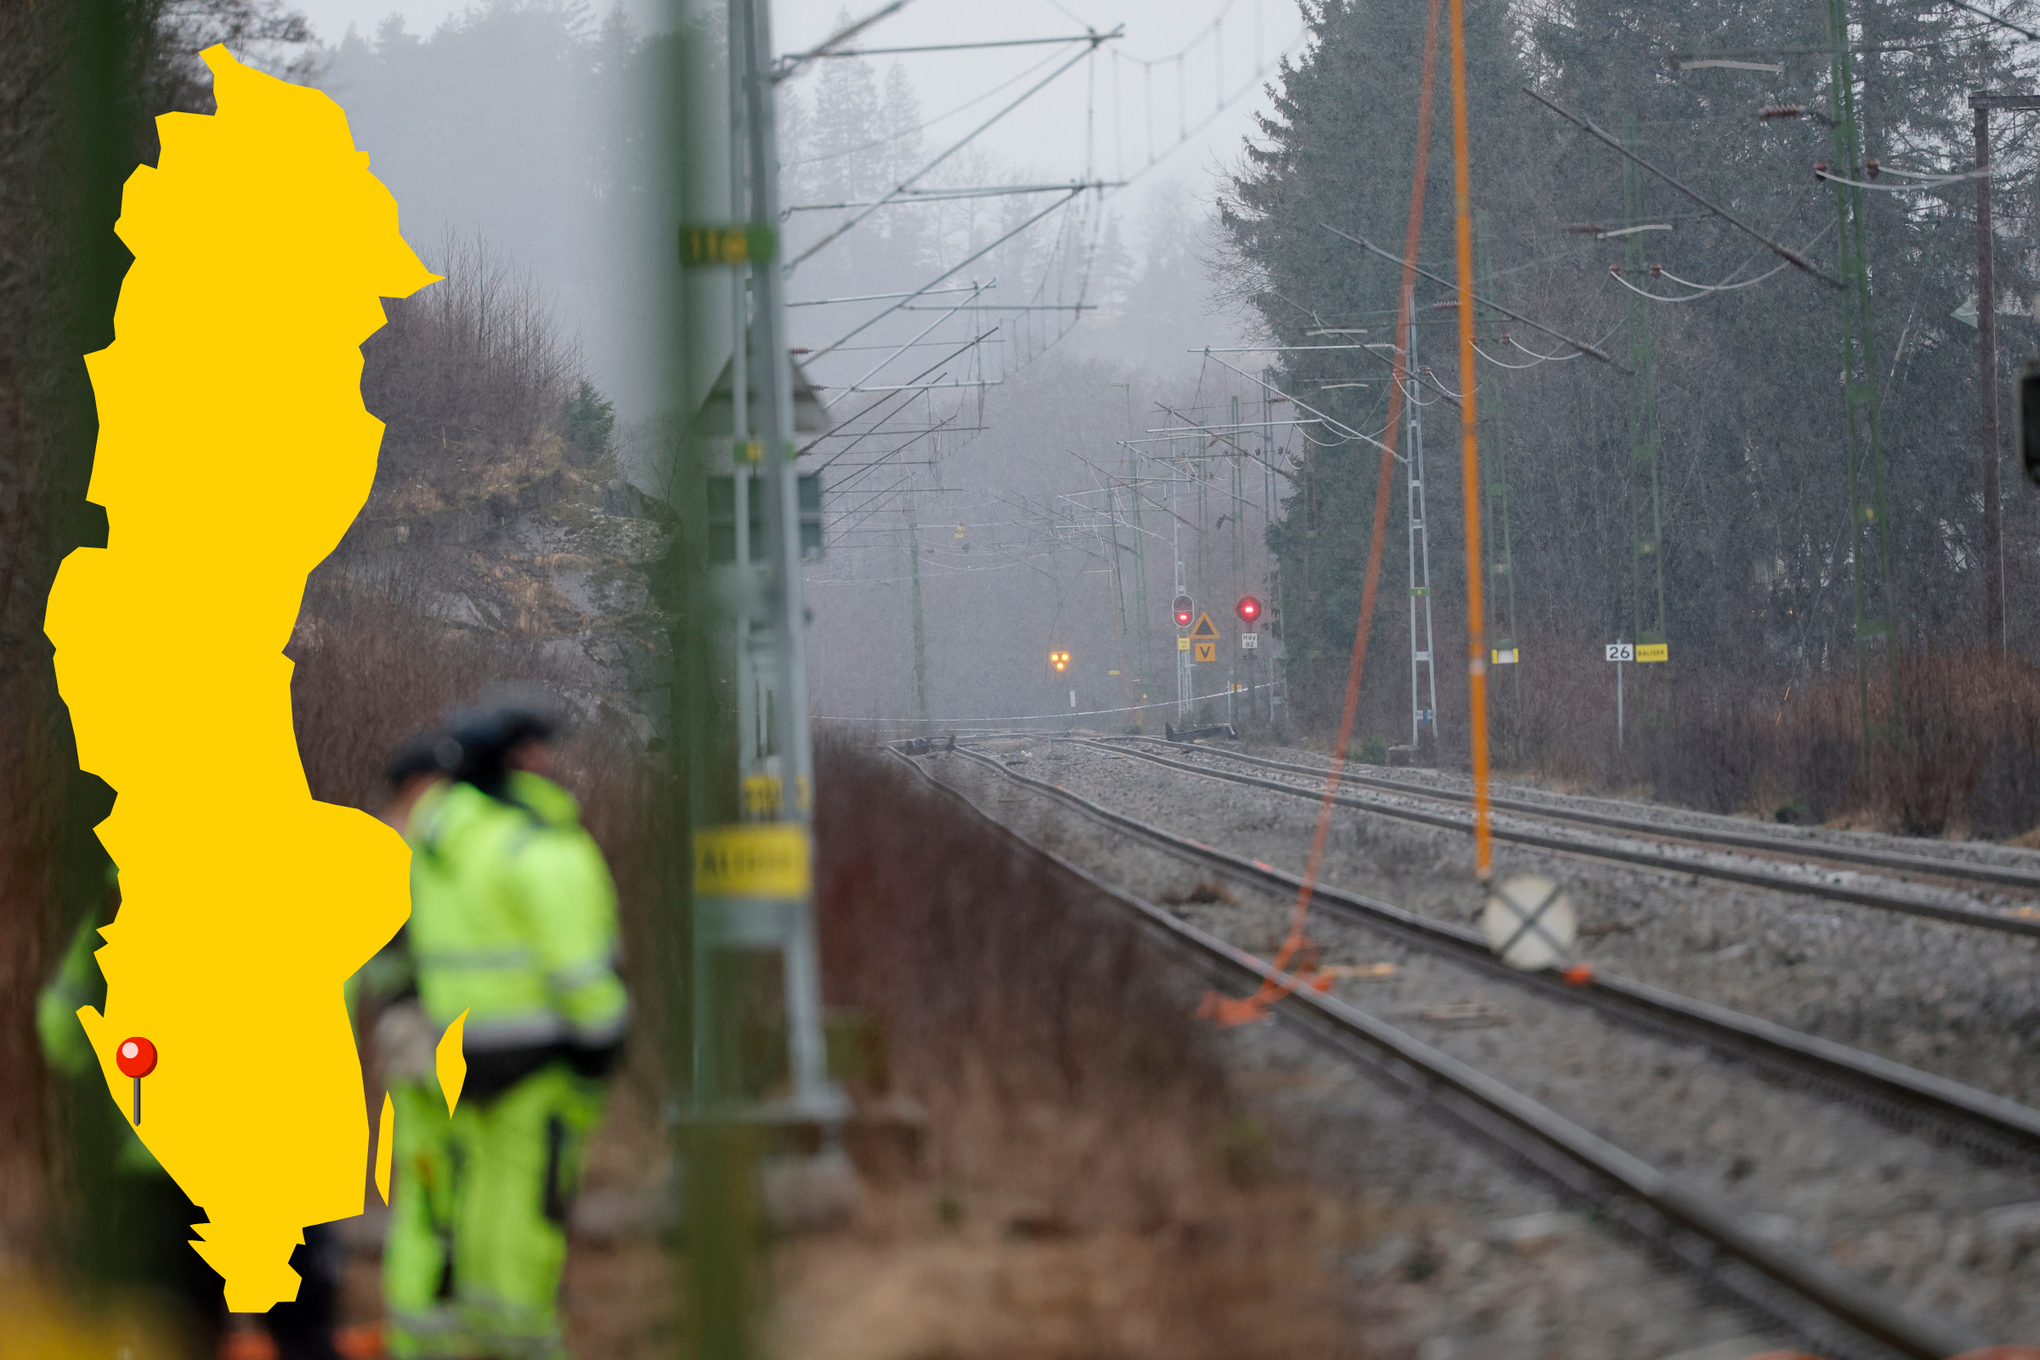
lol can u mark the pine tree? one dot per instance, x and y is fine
(1340, 149)
(905, 230)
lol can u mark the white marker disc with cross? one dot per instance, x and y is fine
(1529, 923)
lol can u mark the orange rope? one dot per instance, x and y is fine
(1469, 456)
(1227, 1010)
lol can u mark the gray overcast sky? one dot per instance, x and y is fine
(1049, 133)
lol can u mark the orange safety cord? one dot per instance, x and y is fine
(1469, 457)
(1227, 1010)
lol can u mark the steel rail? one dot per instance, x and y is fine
(1905, 861)
(1990, 1120)
(1755, 878)
(1812, 1296)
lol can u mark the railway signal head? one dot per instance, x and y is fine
(1059, 660)
(1249, 610)
(1186, 610)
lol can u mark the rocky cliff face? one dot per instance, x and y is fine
(499, 565)
(500, 544)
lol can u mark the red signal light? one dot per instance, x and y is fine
(1186, 610)
(1249, 610)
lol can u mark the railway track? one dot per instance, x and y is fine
(1284, 777)
(1835, 1311)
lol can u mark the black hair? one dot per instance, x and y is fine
(415, 755)
(482, 740)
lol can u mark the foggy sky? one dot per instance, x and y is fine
(1049, 132)
(992, 613)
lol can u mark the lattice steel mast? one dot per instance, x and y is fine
(1423, 675)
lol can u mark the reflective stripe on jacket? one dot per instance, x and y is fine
(513, 918)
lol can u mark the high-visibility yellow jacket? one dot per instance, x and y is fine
(513, 920)
(78, 983)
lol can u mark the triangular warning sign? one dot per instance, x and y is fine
(1203, 627)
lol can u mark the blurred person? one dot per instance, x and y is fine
(420, 1320)
(136, 1224)
(513, 924)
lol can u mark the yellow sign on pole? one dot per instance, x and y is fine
(1204, 629)
(752, 859)
(1653, 651)
(1182, 644)
(1206, 651)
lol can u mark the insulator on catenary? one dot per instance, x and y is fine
(1871, 166)
(1782, 111)
(1657, 271)
(1584, 229)
(1820, 169)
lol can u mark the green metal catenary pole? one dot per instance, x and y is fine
(1876, 621)
(1503, 647)
(920, 633)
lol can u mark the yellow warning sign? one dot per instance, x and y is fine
(1206, 651)
(1204, 628)
(752, 859)
(1182, 644)
(1653, 651)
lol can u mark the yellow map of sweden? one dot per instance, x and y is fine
(233, 453)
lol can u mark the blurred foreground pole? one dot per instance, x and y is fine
(757, 1082)
(93, 140)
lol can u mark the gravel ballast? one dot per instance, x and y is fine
(1946, 1234)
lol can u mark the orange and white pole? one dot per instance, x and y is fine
(1469, 445)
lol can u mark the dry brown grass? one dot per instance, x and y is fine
(1968, 762)
(1091, 1186)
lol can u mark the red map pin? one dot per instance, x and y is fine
(136, 1058)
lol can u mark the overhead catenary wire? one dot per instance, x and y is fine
(1936, 183)
(1782, 251)
(956, 146)
(947, 273)
(1499, 364)
(1071, 257)
(866, 434)
(921, 127)
(1982, 13)
(1591, 350)
(792, 63)
(1301, 404)
(1708, 289)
